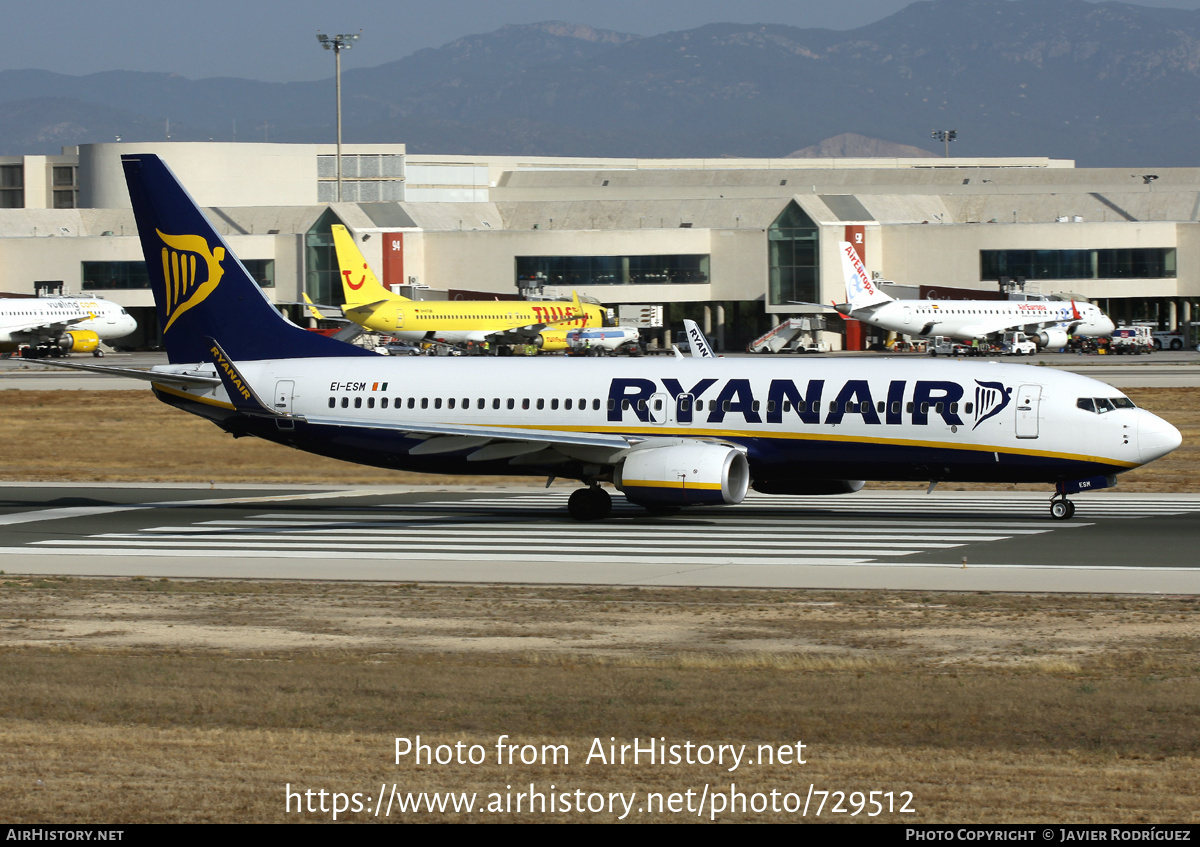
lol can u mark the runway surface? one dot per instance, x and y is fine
(1135, 543)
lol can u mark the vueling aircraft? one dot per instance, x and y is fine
(1048, 322)
(55, 326)
(373, 307)
(668, 433)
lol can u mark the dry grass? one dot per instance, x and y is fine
(152, 700)
(130, 436)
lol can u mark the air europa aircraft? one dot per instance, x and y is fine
(674, 433)
(1050, 323)
(542, 323)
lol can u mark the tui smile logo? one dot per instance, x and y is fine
(355, 285)
(191, 272)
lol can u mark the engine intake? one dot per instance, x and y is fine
(78, 341)
(684, 474)
(1052, 338)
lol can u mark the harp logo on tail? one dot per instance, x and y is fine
(191, 272)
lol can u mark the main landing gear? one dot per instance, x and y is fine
(1061, 509)
(590, 504)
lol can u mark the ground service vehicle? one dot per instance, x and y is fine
(1131, 340)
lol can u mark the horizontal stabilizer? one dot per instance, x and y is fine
(163, 377)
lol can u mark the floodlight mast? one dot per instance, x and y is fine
(945, 136)
(338, 43)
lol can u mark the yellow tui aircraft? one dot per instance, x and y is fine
(541, 323)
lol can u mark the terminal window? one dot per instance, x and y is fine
(793, 258)
(1121, 263)
(678, 269)
(109, 276)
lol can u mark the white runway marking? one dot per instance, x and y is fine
(534, 528)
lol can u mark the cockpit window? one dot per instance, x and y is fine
(1100, 405)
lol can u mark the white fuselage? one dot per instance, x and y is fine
(609, 337)
(886, 419)
(971, 319)
(37, 319)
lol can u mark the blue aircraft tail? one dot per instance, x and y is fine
(202, 291)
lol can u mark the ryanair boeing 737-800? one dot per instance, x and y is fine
(667, 433)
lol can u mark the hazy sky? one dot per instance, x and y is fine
(275, 40)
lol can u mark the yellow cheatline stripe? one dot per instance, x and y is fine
(210, 401)
(656, 483)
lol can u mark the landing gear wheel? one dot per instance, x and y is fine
(99, 354)
(1062, 510)
(590, 504)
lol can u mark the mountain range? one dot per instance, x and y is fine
(1106, 84)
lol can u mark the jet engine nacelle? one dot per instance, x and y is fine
(551, 341)
(684, 474)
(78, 341)
(1052, 338)
(808, 486)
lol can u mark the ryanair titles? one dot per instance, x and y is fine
(815, 402)
(235, 378)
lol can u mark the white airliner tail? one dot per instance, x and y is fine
(861, 292)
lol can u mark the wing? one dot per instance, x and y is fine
(39, 330)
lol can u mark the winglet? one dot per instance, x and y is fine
(238, 388)
(697, 342)
(312, 309)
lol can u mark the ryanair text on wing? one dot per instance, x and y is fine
(901, 402)
(184, 286)
(235, 378)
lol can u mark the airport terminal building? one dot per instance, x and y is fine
(737, 244)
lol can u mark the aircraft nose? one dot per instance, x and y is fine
(1156, 437)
